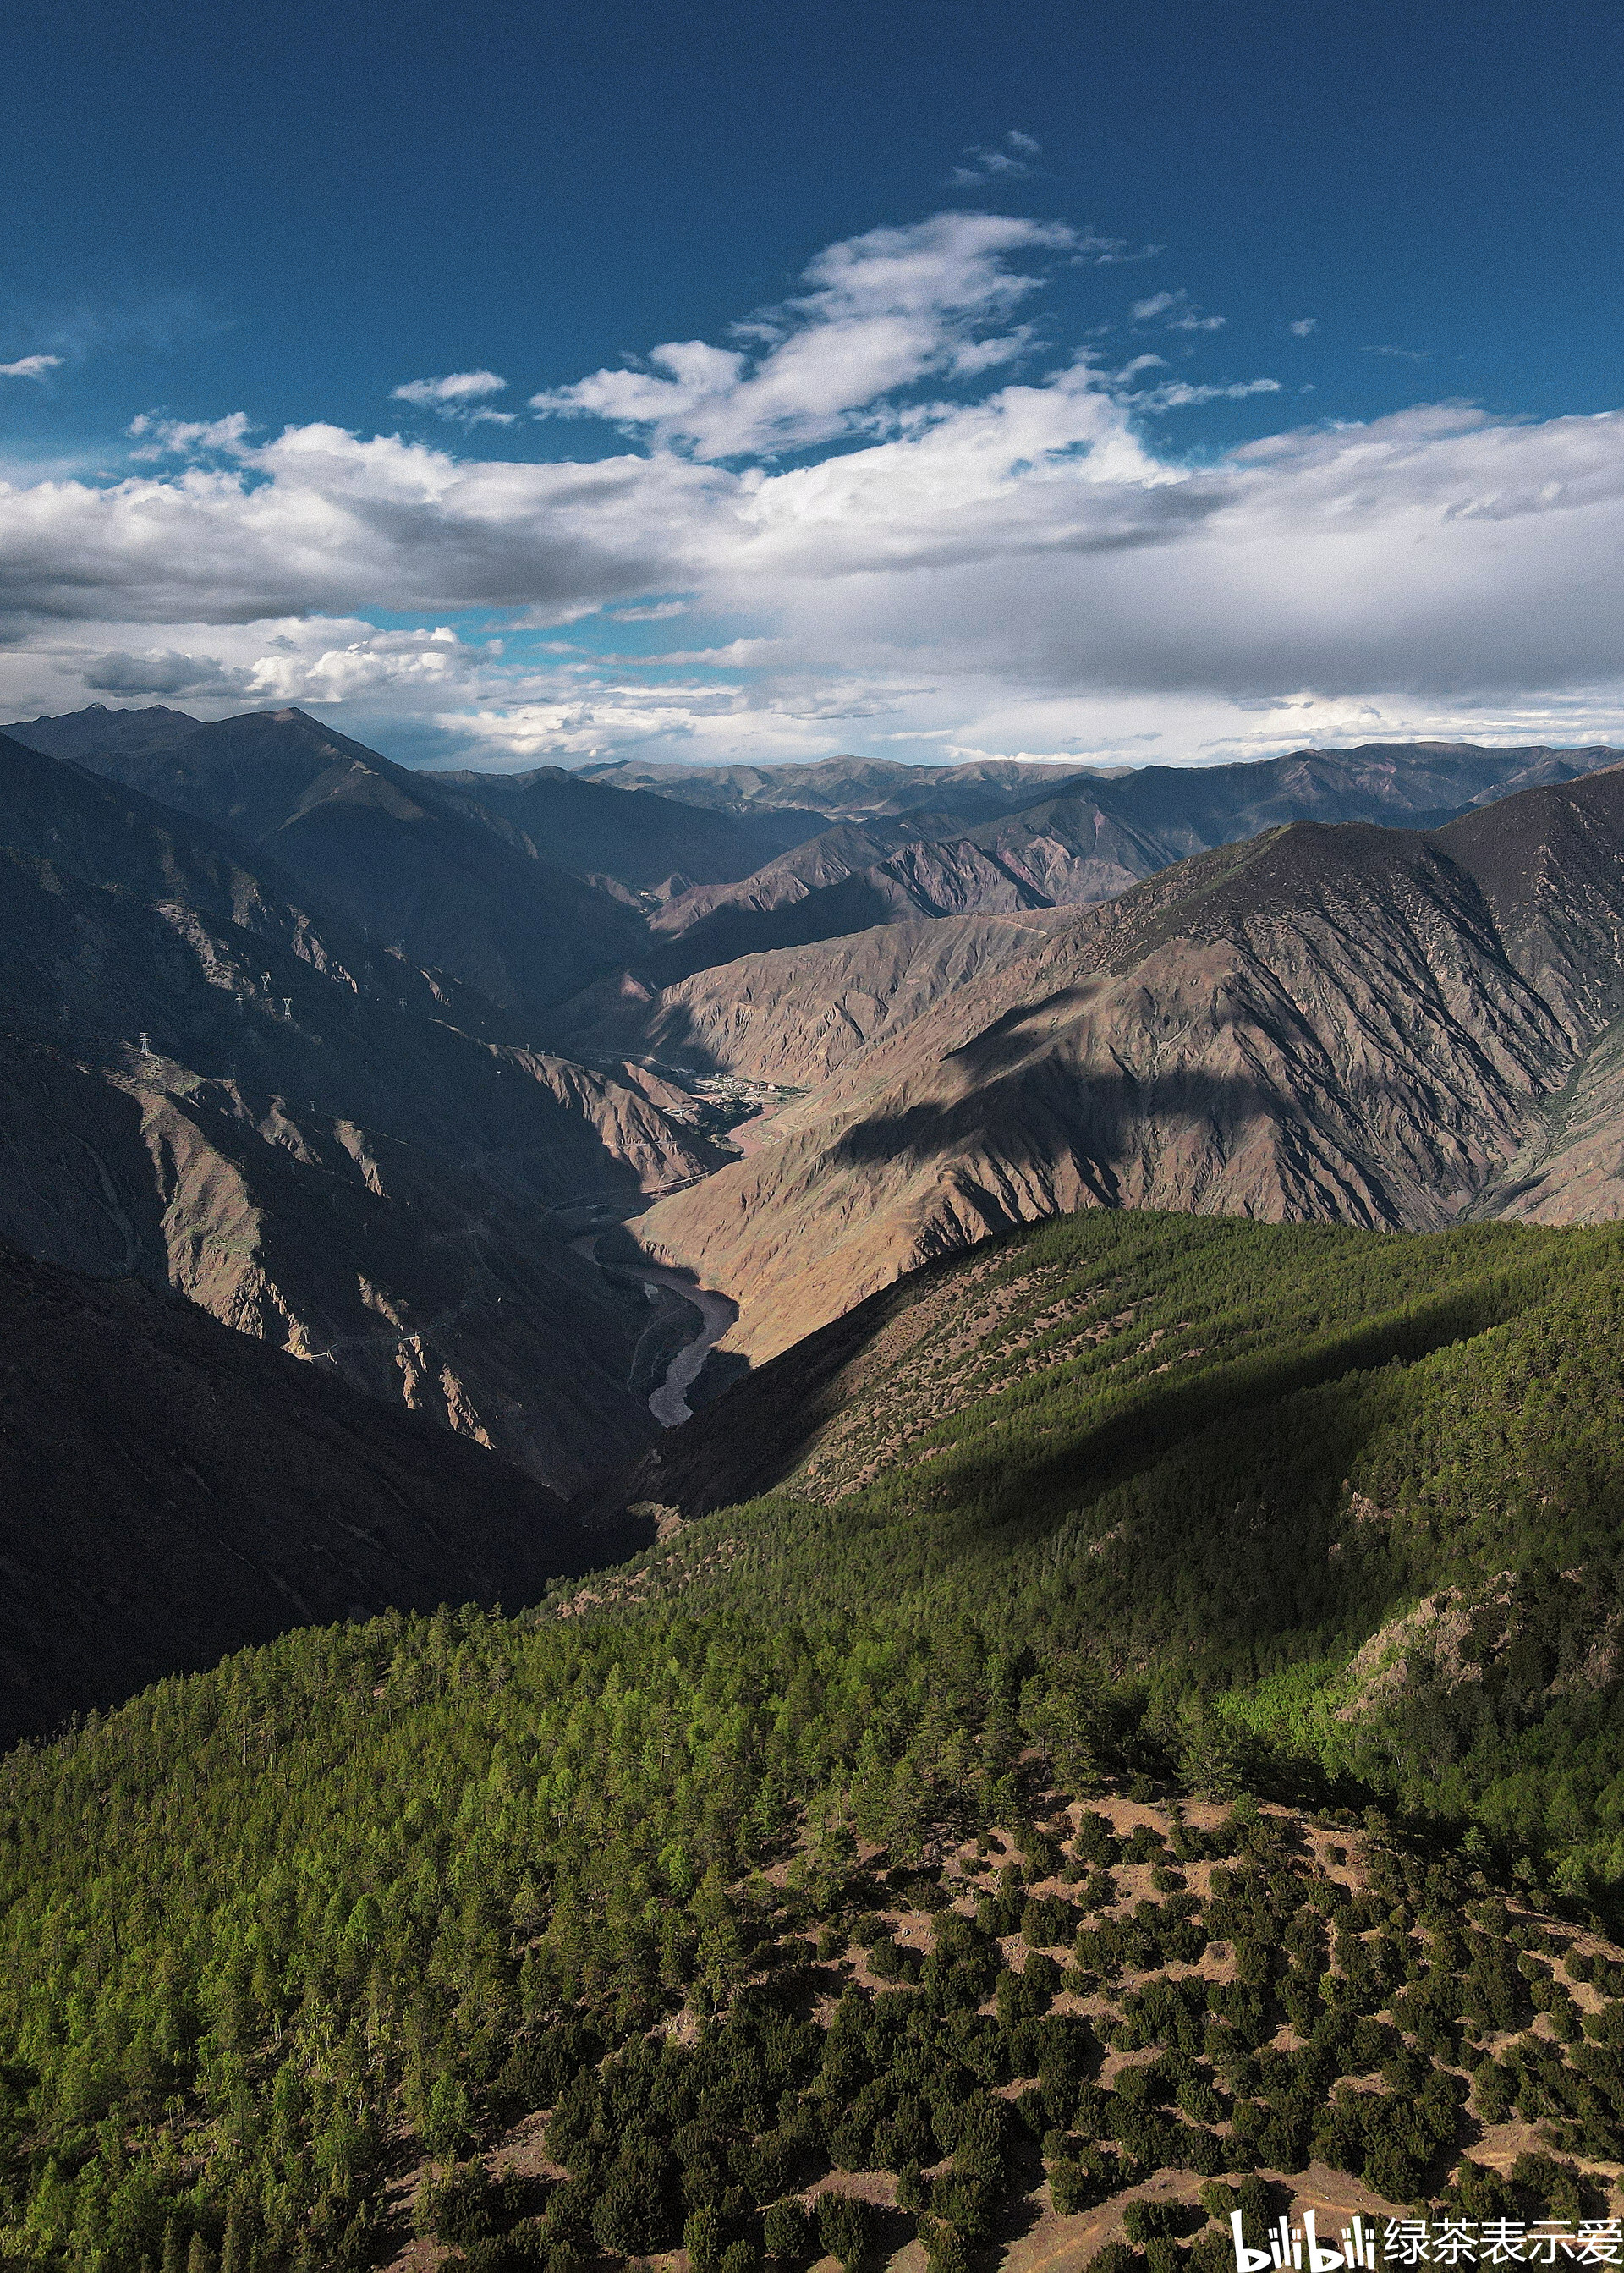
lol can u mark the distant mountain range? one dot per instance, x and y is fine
(534, 888)
(1085, 844)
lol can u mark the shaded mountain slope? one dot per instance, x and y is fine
(653, 845)
(1353, 1022)
(173, 1491)
(1063, 853)
(523, 886)
(826, 857)
(208, 1085)
(371, 841)
(81, 735)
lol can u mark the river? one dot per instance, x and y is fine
(668, 1402)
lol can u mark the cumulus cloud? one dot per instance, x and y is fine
(883, 313)
(31, 366)
(977, 544)
(289, 660)
(189, 437)
(1301, 326)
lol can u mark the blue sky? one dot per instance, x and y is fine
(909, 481)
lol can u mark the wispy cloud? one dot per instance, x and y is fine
(1094, 249)
(1178, 394)
(1175, 312)
(1301, 326)
(461, 394)
(1008, 161)
(1405, 355)
(62, 337)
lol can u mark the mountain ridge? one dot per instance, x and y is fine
(1079, 845)
(502, 890)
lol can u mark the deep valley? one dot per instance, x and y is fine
(757, 1515)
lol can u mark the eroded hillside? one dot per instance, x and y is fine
(211, 1084)
(1353, 1025)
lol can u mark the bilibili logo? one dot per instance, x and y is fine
(1299, 2248)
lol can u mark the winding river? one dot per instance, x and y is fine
(668, 1399)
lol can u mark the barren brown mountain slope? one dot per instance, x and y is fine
(797, 1015)
(1349, 1023)
(205, 1084)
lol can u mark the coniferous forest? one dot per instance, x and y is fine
(1164, 1735)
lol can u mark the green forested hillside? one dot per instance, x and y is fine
(1206, 1462)
(902, 1823)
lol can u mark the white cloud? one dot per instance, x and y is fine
(1008, 161)
(32, 366)
(189, 437)
(1403, 355)
(1301, 326)
(1178, 394)
(460, 395)
(883, 312)
(316, 660)
(978, 558)
(459, 386)
(1178, 311)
